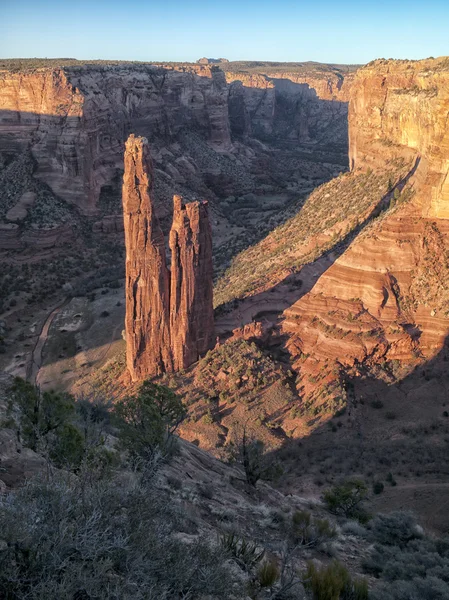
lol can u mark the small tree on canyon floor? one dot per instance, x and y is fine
(148, 420)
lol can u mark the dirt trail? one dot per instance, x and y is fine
(35, 362)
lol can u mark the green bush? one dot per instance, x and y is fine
(333, 582)
(147, 420)
(378, 487)
(410, 565)
(395, 529)
(246, 554)
(308, 531)
(41, 413)
(344, 499)
(68, 449)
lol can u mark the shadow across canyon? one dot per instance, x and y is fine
(270, 304)
(393, 432)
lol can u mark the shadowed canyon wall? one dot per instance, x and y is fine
(169, 315)
(288, 107)
(76, 119)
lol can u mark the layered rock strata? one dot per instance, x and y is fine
(383, 303)
(169, 315)
(404, 105)
(76, 119)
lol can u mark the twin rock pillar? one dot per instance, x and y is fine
(169, 319)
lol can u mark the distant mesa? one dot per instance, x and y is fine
(211, 61)
(169, 319)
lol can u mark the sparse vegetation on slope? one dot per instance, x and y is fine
(330, 213)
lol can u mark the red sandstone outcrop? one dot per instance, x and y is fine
(191, 298)
(403, 105)
(147, 323)
(169, 316)
(385, 298)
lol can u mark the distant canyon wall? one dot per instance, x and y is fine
(289, 107)
(76, 119)
(404, 105)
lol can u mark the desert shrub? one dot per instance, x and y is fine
(431, 588)
(343, 499)
(411, 565)
(40, 413)
(395, 529)
(333, 582)
(247, 554)
(377, 404)
(354, 528)
(67, 450)
(308, 531)
(378, 487)
(147, 420)
(267, 574)
(251, 455)
(78, 538)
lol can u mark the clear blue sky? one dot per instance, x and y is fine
(345, 31)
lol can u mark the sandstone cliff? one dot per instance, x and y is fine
(382, 305)
(403, 106)
(169, 315)
(76, 119)
(289, 106)
(191, 299)
(147, 323)
(362, 272)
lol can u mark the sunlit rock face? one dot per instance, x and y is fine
(404, 105)
(147, 276)
(169, 315)
(384, 300)
(191, 299)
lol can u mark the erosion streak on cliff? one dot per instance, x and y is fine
(147, 277)
(191, 302)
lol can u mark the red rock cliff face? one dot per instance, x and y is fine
(169, 316)
(147, 324)
(403, 105)
(289, 106)
(384, 300)
(191, 302)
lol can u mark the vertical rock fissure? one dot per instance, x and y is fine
(169, 312)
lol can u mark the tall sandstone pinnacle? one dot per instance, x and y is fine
(169, 316)
(191, 294)
(147, 277)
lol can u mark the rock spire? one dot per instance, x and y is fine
(169, 316)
